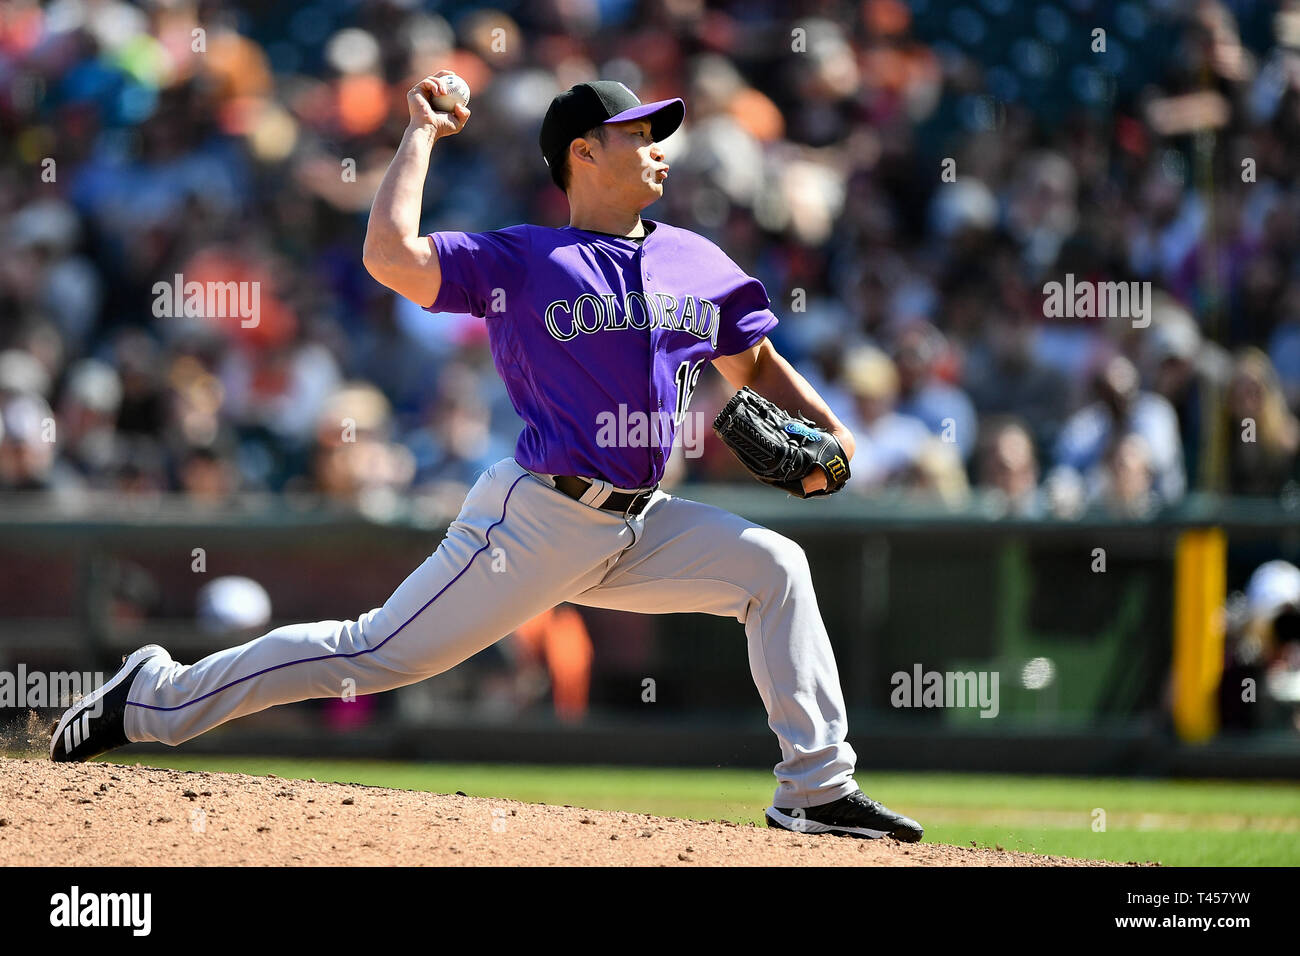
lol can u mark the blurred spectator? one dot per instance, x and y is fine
(1261, 435)
(42, 264)
(22, 374)
(455, 444)
(207, 477)
(1041, 207)
(1123, 483)
(1187, 371)
(92, 397)
(946, 411)
(889, 444)
(27, 443)
(937, 474)
(1005, 378)
(1008, 471)
(141, 366)
(1094, 435)
(1284, 347)
(355, 461)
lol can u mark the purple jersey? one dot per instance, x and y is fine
(599, 339)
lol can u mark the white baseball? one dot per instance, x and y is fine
(458, 93)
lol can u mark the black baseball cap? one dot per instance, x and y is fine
(588, 105)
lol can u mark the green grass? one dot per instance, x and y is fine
(1176, 822)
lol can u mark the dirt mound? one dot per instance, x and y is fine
(104, 814)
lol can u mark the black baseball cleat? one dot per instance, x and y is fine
(87, 730)
(856, 815)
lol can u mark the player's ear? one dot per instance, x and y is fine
(585, 148)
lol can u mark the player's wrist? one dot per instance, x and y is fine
(423, 134)
(846, 440)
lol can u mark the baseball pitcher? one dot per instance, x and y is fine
(611, 310)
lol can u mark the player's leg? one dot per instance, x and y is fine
(516, 549)
(690, 556)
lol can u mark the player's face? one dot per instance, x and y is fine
(632, 163)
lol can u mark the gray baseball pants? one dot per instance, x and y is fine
(517, 548)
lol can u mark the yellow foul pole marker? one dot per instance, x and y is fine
(1200, 590)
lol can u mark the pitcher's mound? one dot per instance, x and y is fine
(107, 815)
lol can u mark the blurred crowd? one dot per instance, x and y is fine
(904, 179)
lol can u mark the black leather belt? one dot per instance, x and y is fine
(624, 502)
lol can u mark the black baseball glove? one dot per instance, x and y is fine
(780, 449)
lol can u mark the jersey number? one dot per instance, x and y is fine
(687, 377)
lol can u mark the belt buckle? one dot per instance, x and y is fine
(638, 497)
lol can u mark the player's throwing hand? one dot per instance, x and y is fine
(424, 115)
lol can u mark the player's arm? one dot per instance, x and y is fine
(764, 370)
(395, 253)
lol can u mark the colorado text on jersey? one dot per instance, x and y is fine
(591, 313)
